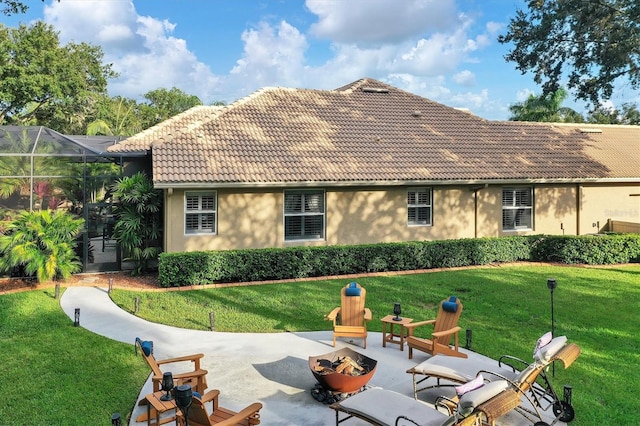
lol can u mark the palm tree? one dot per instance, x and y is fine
(41, 242)
(545, 108)
(137, 227)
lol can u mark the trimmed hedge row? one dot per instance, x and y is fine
(205, 267)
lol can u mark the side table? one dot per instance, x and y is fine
(158, 406)
(392, 336)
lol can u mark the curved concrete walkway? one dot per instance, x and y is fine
(247, 367)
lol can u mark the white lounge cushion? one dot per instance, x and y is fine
(462, 370)
(384, 406)
(545, 353)
(470, 400)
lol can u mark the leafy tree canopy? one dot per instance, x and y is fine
(546, 108)
(595, 42)
(41, 79)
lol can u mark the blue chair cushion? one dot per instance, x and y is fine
(146, 346)
(352, 290)
(449, 306)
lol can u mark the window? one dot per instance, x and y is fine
(200, 213)
(517, 208)
(303, 215)
(419, 206)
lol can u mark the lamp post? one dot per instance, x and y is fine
(551, 285)
(183, 395)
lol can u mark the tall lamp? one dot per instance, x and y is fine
(183, 395)
(551, 285)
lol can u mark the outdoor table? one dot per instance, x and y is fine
(392, 336)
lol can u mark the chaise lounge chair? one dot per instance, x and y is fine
(388, 408)
(445, 327)
(350, 319)
(528, 379)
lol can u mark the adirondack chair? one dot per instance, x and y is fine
(196, 377)
(198, 415)
(350, 319)
(445, 327)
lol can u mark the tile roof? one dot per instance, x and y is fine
(369, 132)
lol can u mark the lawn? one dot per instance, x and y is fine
(507, 308)
(58, 374)
(55, 373)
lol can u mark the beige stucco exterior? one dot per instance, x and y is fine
(254, 218)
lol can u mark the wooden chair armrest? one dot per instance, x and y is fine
(367, 314)
(413, 325)
(333, 314)
(192, 358)
(446, 332)
(251, 412)
(187, 375)
(210, 395)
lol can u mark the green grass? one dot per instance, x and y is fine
(56, 374)
(507, 308)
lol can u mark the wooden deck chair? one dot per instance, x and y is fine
(195, 376)
(445, 327)
(198, 414)
(350, 319)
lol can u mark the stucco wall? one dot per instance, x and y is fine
(355, 216)
(602, 202)
(254, 219)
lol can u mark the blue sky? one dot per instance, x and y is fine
(222, 50)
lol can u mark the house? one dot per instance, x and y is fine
(369, 163)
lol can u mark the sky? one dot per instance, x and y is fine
(223, 50)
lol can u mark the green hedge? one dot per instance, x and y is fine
(206, 267)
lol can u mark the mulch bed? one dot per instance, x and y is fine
(120, 280)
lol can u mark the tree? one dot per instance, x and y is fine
(116, 116)
(39, 79)
(42, 243)
(595, 42)
(137, 227)
(165, 103)
(545, 108)
(627, 114)
(13, 7)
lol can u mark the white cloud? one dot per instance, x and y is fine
(365, 22)
(272, 56)
(141, 48)
(419, 47)
(523, 95)
(465, 78)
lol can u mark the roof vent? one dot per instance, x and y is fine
(417, 113)
(592, 130)
(375, 90)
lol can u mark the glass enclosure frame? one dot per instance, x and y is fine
(43, 169)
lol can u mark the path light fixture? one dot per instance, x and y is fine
(167, 385)
(551, 285)
(397, 311)
(76, 317)
(116, 420)
(183, 395)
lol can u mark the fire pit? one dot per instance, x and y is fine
(342, 371)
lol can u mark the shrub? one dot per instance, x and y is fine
(41, 243)
(205, 267)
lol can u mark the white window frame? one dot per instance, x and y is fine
(303, 193)
(201, 212)
(417, 204)
(517, 207)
